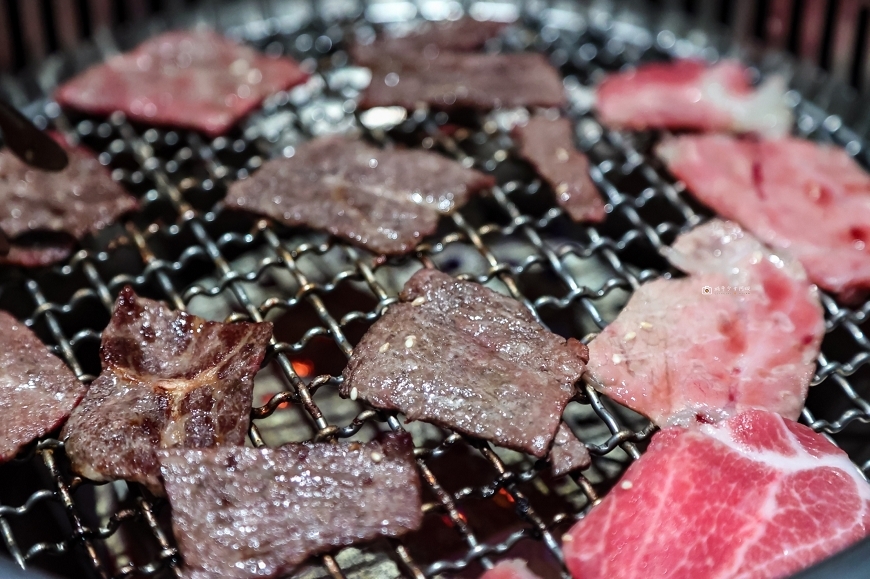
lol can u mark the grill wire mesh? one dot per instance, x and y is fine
(182, 247)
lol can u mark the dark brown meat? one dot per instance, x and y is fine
(64, 205)
(37, 390)
(189, 79)
(170, 379)
(467, 81)
(463, 35)
(462, 356)
(549, 146)
(241, 512)
(568, 453)
(384, 200)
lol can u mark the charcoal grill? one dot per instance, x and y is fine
(481, 503)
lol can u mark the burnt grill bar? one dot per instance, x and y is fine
(176, 175)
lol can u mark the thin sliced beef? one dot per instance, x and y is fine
(383, 200)
(809, 199)
(43, 212)
(755, 496)
(689, 94)
(169, 379)
(241, 512)
(191, 79)
(37, 390)
(466, 81)
(510, 569)
(568, 453)
(741, 331)
(426, 41)
(462, 356)
(549, 146)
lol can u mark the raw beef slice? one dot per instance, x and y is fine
(190, 79)
(741, 331)
(241, 512)
(812, 200)
(37, 390)
(689, 94)
(757, 496)
(462, 356)
(169, 379)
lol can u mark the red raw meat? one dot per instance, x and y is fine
(757, 496)
(742, 331)
(809, 199)
(188, 79)
(689, 94)
(510, 569)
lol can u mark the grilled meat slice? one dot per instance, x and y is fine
(170, 379)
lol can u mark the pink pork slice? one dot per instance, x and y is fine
(187, 79)
(809, 199)
(510, 569)
(548, 144)
(689, 94)
(37, 390)
(741, 331)
(756, 496)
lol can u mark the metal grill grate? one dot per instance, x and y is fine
(184, 248)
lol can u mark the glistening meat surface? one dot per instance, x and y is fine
(548, 144)
(241, 512)
(44, 212)
(169, 379)
(462, 356)
(383, 200)
(37, 390)
(191, 79)
(689, 94)
(741, 331)
(812, 200)
(757, 496)
(466, 81)
(429, 39)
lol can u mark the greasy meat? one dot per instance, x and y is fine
(568, 453)
(510, 569)
(549, 146)
(384, 200)
(241, 512)
(187, 79)
(462, 356)
(755, 496)
(37, 390)
(43, 212)
(463, 35)
(809, 199)
(466, 81)
(169, 379)
(689, 94)
(741, 331)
